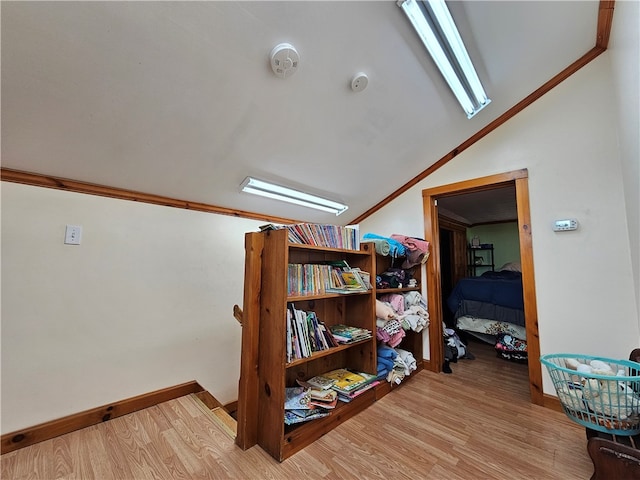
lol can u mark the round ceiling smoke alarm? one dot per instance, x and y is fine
(284, 60)
(359, 82)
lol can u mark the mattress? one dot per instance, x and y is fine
(486, 326)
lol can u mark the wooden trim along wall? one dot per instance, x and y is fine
(45, 431)
(48, 181)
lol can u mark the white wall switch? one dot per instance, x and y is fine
(73, 235)
(565, 225)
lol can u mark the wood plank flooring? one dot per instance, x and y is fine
(476, 423)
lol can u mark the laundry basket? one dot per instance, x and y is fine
(596, 392)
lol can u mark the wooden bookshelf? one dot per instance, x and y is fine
(265, 372)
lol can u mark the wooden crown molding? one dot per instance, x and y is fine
(48, 181)
(605, 19)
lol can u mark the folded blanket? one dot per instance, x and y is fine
(396, 249)
(386, 352)
(381, 246)
(414, 298)
(396, 338)
(415, 318)
(382, 335)
(384, 310)
(395, 300)
(417, 250)
(385, 363)
(400, 365)
(408, 358)
(415, 322)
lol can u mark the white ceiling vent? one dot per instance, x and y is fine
(284, 60)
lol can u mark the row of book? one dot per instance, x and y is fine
(306, 334)
(321, 235)
(318, 396)
(318, 279)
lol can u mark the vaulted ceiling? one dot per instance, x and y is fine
(177, 99)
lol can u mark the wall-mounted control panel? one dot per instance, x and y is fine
(565, 225)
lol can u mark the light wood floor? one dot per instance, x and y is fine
(476, 423)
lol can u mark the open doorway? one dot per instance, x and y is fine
(443, 244)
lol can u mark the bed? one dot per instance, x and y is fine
(490, 304)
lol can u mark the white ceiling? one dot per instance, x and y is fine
(486, 206)
(178, 98)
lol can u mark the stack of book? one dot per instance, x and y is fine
(306, 334)
(322, 395)
(321, 235)
(300, 406)
(348, 384)
(349, 334)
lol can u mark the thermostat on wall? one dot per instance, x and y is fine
(565, 225)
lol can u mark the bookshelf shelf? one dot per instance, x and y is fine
(323, 353)
(301, 246)
(301, 298)
(306, 433)
(397, 290)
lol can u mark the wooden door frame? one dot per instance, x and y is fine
(520, 180)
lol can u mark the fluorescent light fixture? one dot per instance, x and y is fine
(286, 194)
(438, 32)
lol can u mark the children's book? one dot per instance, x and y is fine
(297, 398)
(351, 281)
(292, 417)
(347, 334)
(321, 382)
(327, 405)
(347, 381)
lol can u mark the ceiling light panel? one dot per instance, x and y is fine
(290, 195)
(437, 30)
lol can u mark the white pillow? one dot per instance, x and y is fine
(511, 267)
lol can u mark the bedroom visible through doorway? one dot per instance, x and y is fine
(450, 261)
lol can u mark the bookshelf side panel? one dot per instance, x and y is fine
(272, 347)
(247, 413)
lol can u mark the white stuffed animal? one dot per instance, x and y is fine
(611, 398)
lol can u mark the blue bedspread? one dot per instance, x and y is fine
(498, 288)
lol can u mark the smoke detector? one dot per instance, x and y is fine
(359, 82)
(284, 60)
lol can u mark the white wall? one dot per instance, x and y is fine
(145, 302)
(625, 51)
(567, 141)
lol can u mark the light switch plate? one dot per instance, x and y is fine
(73, 235)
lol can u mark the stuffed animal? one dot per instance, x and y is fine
(612, 398)
(609, 397)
